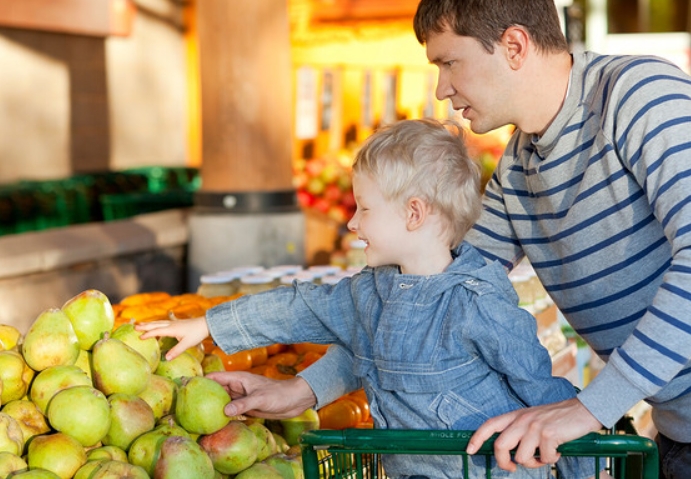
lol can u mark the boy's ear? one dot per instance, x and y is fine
(416, 212)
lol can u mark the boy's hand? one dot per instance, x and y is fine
(264, 397)
(542, 428)
(188, 332)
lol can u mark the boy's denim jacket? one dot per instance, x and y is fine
(446, 351)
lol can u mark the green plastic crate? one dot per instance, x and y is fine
(121, 206)
(356, 453)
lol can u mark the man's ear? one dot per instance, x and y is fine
(515, 41)
(416, 213)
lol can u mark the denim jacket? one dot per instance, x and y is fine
(446, 351)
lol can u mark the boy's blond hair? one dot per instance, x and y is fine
(426, 159)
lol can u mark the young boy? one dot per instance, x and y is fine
(438, 339)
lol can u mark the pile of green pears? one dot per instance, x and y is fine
(82, 399)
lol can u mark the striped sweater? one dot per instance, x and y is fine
(601, 206)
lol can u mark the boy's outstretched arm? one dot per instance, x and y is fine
(188, 332)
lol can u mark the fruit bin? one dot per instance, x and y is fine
(356, 453)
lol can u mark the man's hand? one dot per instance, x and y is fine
(264, 397)
(542, 428)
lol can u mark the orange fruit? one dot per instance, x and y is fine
(360, 398)
(340, 414)
(286, 359)
(145, 298)
(275, 349)
(302, 348)
(240, 361)
(307, 359)
(259, 356)
(278, 371)
(187, 310)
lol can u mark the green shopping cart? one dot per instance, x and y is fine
(356, 453)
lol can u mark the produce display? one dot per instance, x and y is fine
(82, 396)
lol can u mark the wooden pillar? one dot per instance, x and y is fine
(246, 87)
(246, 210)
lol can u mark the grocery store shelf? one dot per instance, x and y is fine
(35, 252)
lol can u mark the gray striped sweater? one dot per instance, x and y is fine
(601, 206)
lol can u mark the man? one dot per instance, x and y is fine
(595, 189)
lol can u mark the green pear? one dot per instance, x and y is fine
(11, 463)
(51, 380)
(260, 470)
(183, 365)
(199, 405)
(50, 341)
(130, 417)
(15, 375)
(294, 426)
(148, 348)
(30, 420)
(91, 315)
(59, 453)
(290, 467)
(88, 468)
(160, 395)
(9, 337)
(266, 441)
(144, 450)
(114, 469)
(231, 449)
(281, 444)
(37, 473)
(212, 363)
(82, 412)
(83, 361)
(11, 435)
(182, 458)
(111, 453)
(117, 368)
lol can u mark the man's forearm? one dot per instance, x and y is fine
(332, 376)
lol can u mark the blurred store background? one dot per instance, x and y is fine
(145, 143)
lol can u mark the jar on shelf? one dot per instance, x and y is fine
(218, 284)
(356, 256)
(256, 283)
